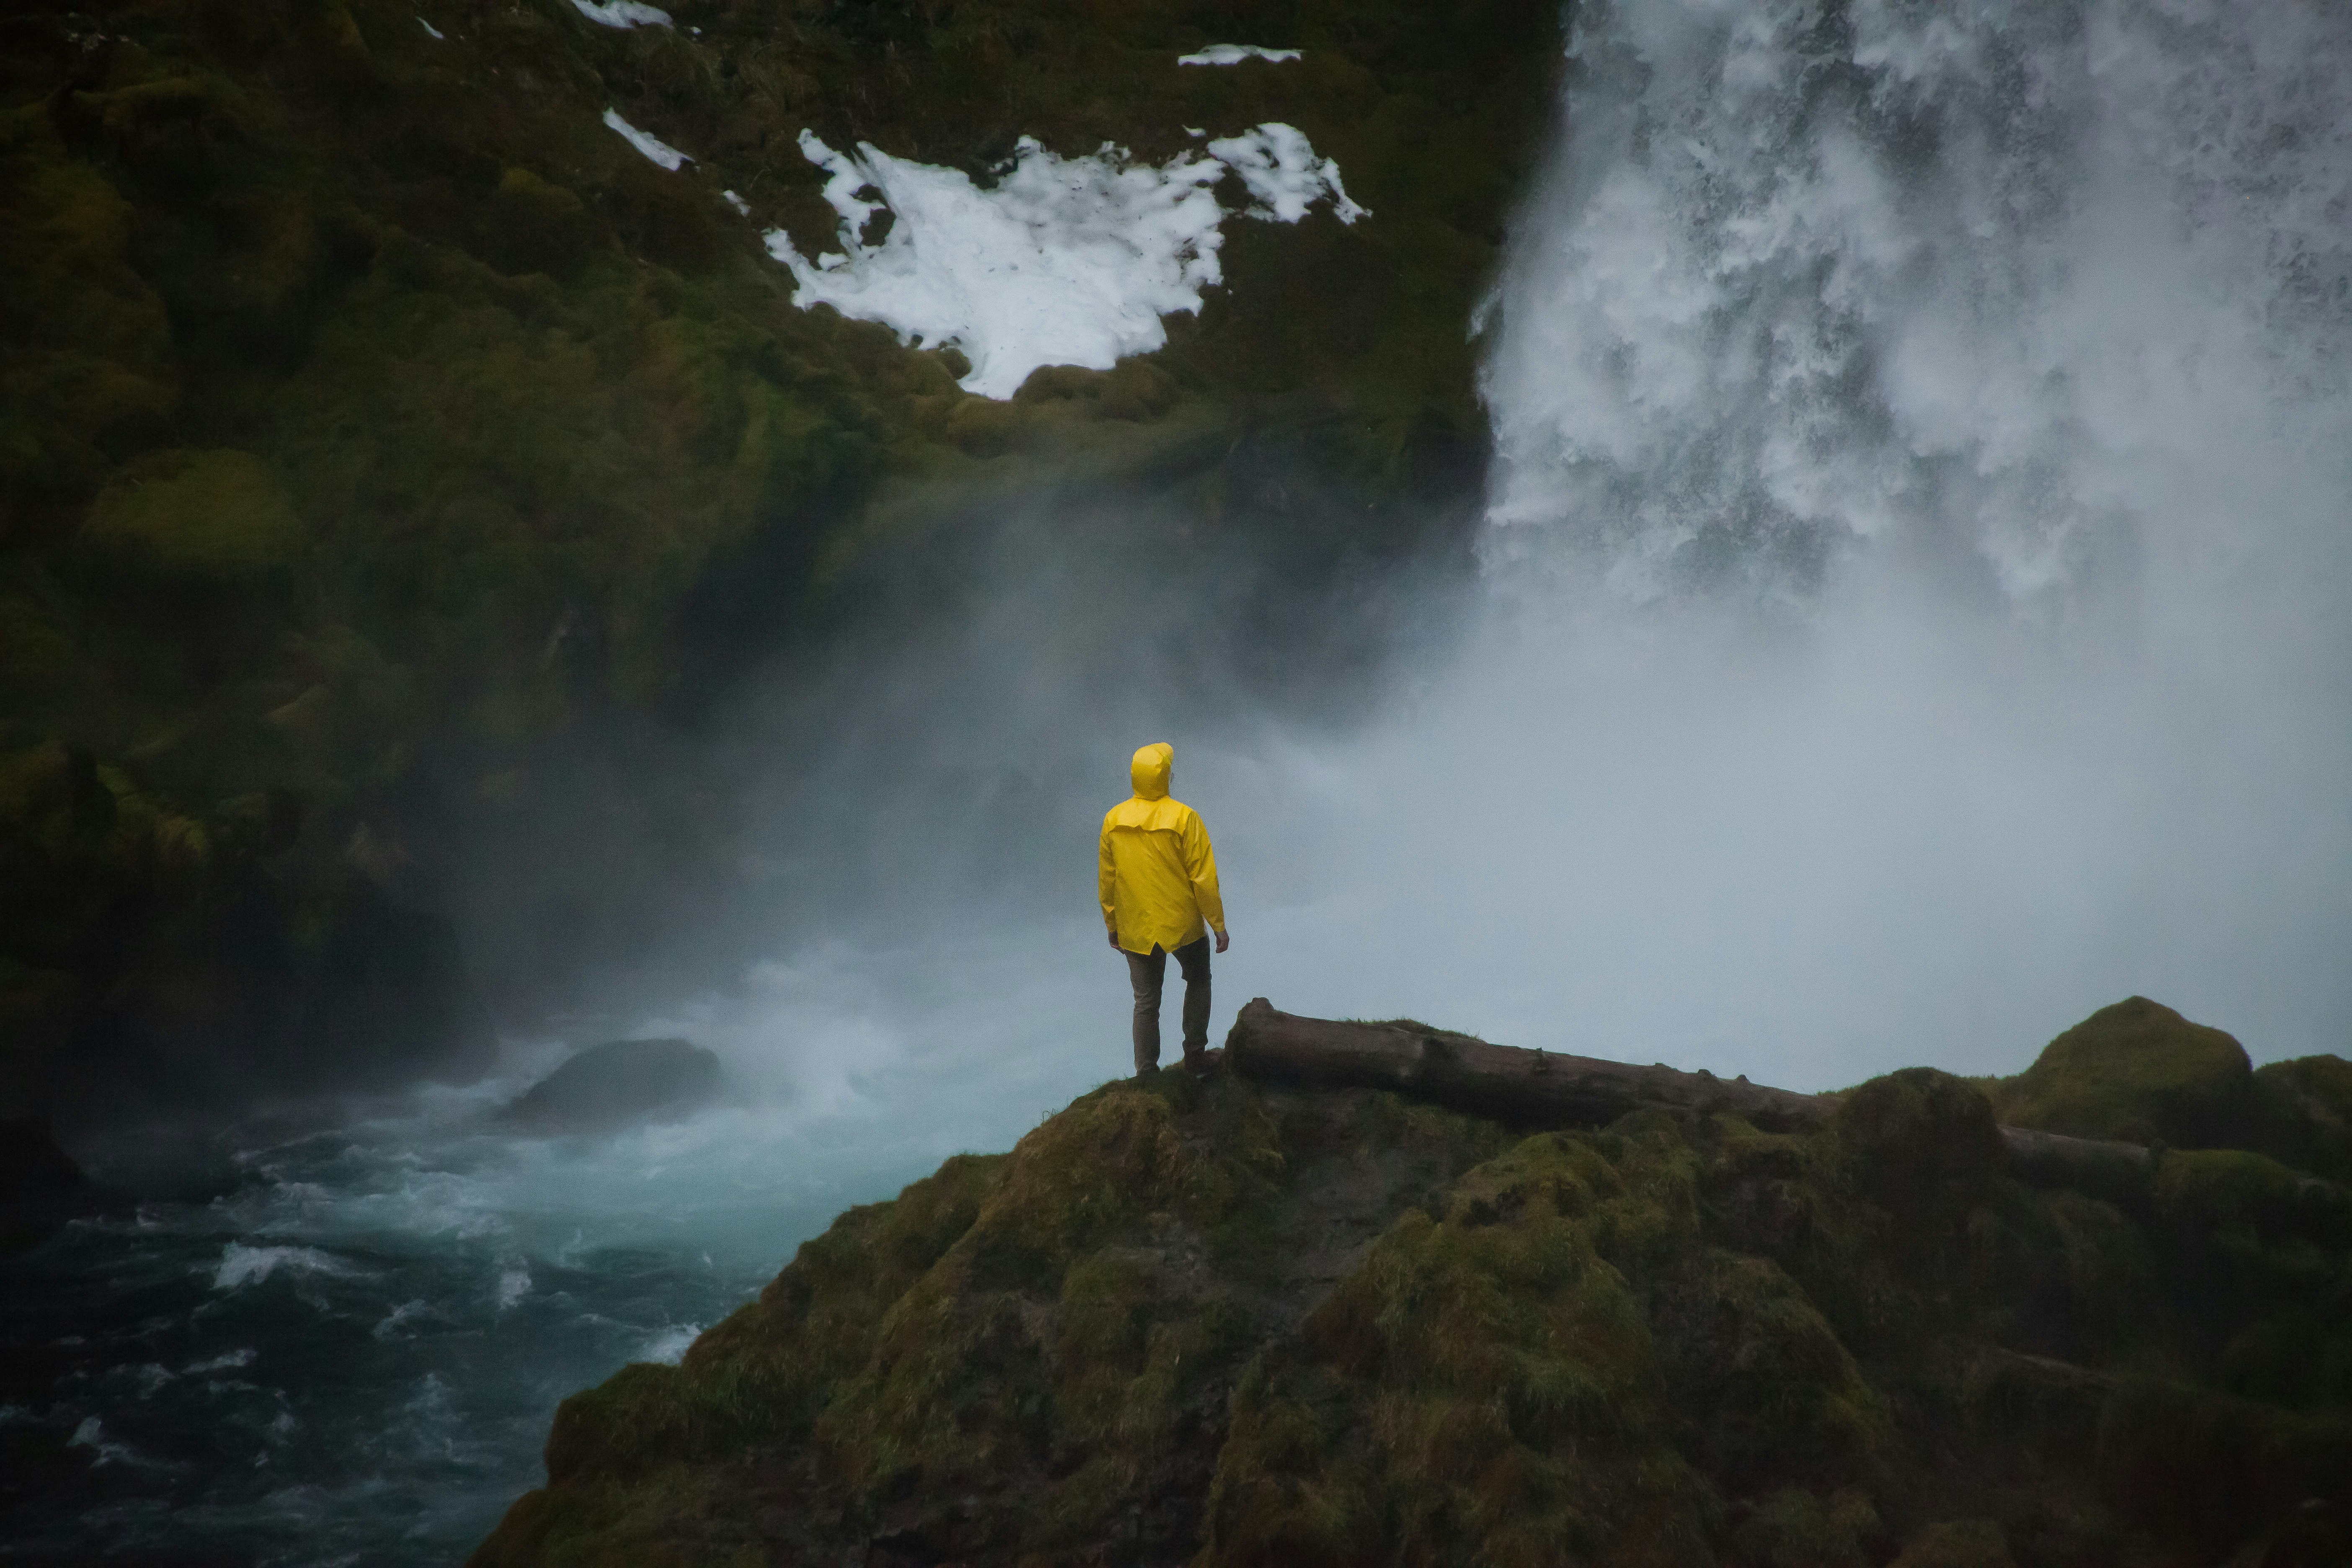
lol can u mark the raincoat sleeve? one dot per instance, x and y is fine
(1200, 865)
(1107, 882)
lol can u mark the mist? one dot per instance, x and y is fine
(1909, 615)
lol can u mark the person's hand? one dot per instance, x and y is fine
(1223, 941)
(1114, 940)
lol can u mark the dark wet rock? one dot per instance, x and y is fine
(610, 1086)
(41, 1188)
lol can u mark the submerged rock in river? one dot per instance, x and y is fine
(40, 1186)
(610, 1086)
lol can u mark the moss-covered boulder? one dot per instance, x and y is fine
(2136, 1071)
(2303, 1109)
(1214, 1323)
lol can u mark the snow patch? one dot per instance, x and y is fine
(621, 12)
(1062, 261)
(1226, 54)
(1278, 165)
(652, 147)
(737, 203)
(430, 29)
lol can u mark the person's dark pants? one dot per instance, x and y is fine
(1149, 970)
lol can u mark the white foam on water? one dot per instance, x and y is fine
(241, 1265)
(670, 1346)
(400, 1317)
(513, 1284)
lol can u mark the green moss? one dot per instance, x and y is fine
(766, 1371)
(2235, 1190)
(1795, 1529)
(675, 1517)
(2138, 1071)
(2305, 1113)
(88, 353)
(1781, 1397)
(217, 517)
(1482, 1384)
(1919, 1140)
(1957, 1543)
(2202, 1467)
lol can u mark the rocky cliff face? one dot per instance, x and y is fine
(395, 463)
(1212, 1322)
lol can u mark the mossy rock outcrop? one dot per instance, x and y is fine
(1212, 1321)
(2136, 1071)
(380, 430)
(2139, 1072)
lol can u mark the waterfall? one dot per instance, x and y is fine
(1918, 544)
(2051, 293)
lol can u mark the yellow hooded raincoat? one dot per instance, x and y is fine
(1158, 878)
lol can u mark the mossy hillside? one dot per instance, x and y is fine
(1222, 1323)
(377, 425)
(196, 943)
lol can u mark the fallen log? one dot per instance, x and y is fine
(2118, 1173)
(1519, 1088)
(1537, 1088)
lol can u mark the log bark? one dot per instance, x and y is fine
(2118, 1173)
(1533, 1089)
(1518, 1088)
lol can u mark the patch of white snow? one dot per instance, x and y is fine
(660, 151)
(430, 29)
(1064, 262)
(1224, 54)
(623, 13)
(1278, 165)
(737, 203)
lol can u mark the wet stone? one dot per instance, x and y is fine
(611, 1086)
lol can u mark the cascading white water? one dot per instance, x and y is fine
(1919, 534)
(2052, 289)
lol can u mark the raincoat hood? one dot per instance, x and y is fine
(1150, 769)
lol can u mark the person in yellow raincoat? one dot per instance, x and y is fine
(1159, 886)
